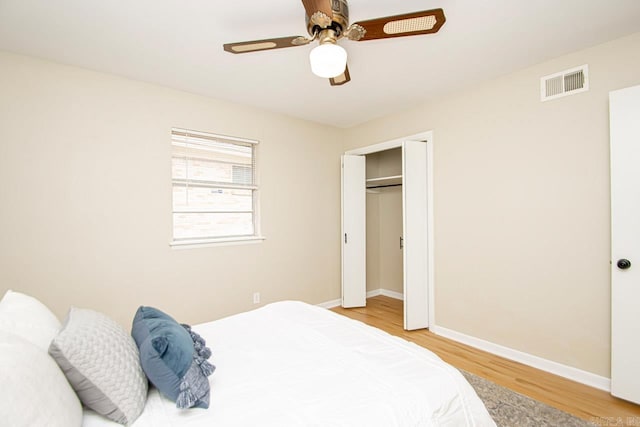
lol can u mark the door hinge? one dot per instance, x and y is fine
(345, 238)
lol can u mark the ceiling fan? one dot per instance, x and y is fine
(328, 21)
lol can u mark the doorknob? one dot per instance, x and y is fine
(623, 264)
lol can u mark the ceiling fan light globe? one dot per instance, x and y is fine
(328, 60)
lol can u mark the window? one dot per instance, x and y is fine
(215, 194)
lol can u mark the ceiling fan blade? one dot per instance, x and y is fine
(267, 44)
(313, 6)
(408, 24)
(341, 79)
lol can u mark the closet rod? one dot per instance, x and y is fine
(383, 186)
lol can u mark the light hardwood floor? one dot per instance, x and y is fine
(585, 402)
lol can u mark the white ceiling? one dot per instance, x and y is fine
(178, 43)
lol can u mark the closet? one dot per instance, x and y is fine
(384, 238)
(386, 218)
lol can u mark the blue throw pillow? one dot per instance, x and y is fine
(169, 359)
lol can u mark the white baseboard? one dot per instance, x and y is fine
(374, 293)
(555, 368)
(569, 372)
(330, 304)
(386, 293)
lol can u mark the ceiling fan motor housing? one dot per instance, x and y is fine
(339, 22)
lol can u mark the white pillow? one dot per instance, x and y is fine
(35, 391)
(28, 318)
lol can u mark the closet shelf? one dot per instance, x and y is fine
(384, 181)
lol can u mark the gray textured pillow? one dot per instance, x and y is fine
(101, 362)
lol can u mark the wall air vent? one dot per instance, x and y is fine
(564, 83)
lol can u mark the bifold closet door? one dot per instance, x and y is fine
(624, 110)
(415, 228)
(354, 212)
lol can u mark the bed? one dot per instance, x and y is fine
(294, 364)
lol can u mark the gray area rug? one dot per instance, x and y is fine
(511, 409)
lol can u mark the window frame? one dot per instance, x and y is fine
(203, 241)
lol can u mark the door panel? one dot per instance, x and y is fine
(354, 259)
(415, 227)
(624, 109)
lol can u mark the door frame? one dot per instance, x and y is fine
(427, 138)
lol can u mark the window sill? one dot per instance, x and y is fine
(225, 241)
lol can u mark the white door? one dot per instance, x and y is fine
(624, 110)
(415, 226)
(354, 212)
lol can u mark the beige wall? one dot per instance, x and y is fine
(521, 202)
(522, 206)
(86, 198)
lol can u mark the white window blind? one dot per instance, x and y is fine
(215, 192)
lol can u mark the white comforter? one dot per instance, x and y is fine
(294, 364)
